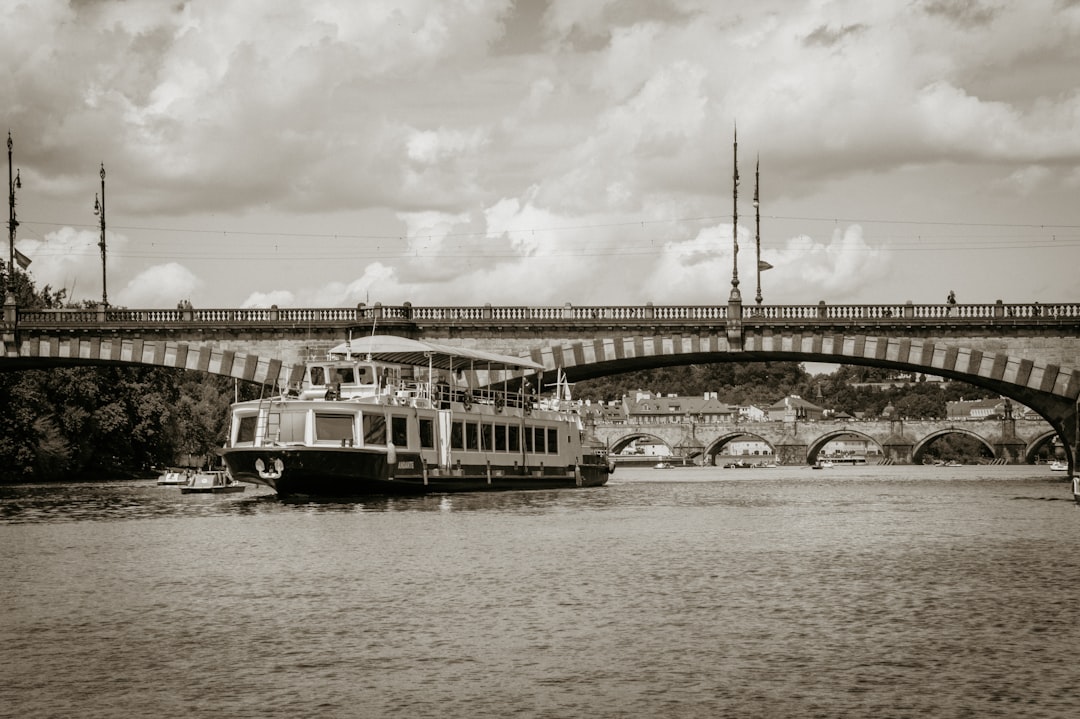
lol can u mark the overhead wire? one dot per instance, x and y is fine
(630, 245)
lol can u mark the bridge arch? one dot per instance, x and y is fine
(1049, 389)
(989, 346)
(1036, 444)
(201, 357)
(919, 448)
(715, 448)
(624, 441)
(819, 443)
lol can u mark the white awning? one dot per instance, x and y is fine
(402, 350)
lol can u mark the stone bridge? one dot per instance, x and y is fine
(1014, 441)
(1027, 352)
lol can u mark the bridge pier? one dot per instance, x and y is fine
(1010, 447)
(8, 334)
(791, 453)
(898, 447)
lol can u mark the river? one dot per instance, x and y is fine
(697, 592)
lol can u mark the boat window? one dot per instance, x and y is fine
(528, 437)
(552, 440)
(245, 430)
(374, 429)
(399, 431)
(500, 438)
(317, 376)
(472, 436)
(457, 437)
(344, 375)
(486, 432)
(427, 434)
(334, 427)
(513, 440)
(540, 444)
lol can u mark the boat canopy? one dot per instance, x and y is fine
(402, 350)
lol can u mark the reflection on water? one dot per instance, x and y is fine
(853, 592)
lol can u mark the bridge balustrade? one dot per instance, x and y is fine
(59, 317)
(446, 313)
(884, 313)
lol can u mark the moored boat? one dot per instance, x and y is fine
(390, 415)
(1059, 466)
(172, 477)
(211, 482)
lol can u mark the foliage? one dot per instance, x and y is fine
(86, 422)
(759, 383)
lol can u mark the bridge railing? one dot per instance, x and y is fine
(931, 312)
(821, 312)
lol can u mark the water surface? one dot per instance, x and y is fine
(849, 592)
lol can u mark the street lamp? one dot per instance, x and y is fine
(757, 227)
(13, 184)
(99, 210)
(735, 296)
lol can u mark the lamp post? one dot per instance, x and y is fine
(757, 227)
(13, 184)
(99, 210)
(735, 296)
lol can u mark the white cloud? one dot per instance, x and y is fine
(71, 259)
(265, 300)
(160, 286)
(837, 271)
(519, 176)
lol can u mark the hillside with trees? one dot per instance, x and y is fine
(858, 391)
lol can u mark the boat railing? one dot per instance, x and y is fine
(410, 393)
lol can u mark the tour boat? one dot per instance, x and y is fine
(211, 482)
(392, 415)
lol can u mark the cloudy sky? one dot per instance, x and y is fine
(537, 152)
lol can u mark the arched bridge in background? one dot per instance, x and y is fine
(1008, 440)
(1024, 351)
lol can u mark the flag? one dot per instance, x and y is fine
(762, 265)
(22, 259)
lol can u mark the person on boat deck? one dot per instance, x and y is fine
(442, 392)
(952, 298)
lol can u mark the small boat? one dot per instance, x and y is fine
(663, 465)
(1059, 466)
(211, 482)
(173, 477)
(953, 463)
